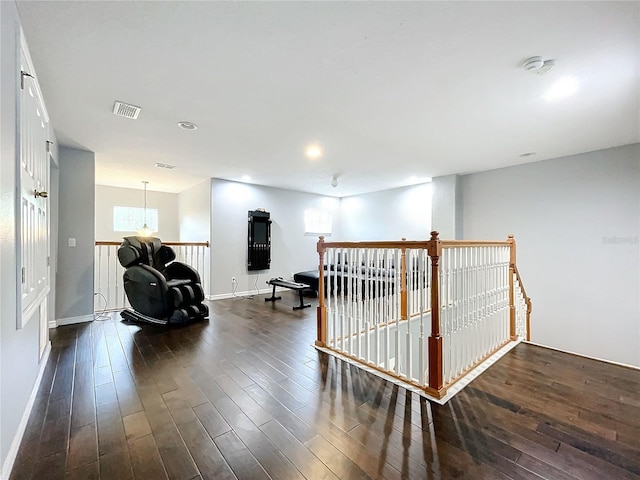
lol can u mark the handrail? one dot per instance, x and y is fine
(171, 244)
(407, 307)
(524, 293)
(527, 301)
(108, 272)
(473, 243)
(414, 244)
(375, 244)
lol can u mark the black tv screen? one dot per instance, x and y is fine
(259, 232)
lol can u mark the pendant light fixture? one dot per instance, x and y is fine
(145, 231)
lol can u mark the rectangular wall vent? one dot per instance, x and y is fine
(125, 110)
(165, 165)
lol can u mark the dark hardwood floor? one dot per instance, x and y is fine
(246, 395)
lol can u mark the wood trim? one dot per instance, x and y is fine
(436, 378)
(528, 323)
(377, 244)
(527, 301)
(524, 292)
(171, 244)
(403, 283)
(321, 339)
(472, 243)
(417, 244)
(187, 244)
(512, 306)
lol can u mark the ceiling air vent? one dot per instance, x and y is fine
(126, 110)
(165, 165)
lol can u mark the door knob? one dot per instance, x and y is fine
(40, 194)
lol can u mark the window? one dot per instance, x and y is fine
(131, 219)
(317, 222)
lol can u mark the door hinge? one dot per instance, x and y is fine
(49, 143)
(23, 274)
(48, 261)
(22, 75)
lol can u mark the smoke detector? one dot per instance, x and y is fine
(533, 63)
(165, 165)
(187, 125)
(122, 109)
(538, 65)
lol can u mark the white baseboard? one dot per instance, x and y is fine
(17, 438)
(246, 293)
(71, 320)
(452, 390)
(620, 364)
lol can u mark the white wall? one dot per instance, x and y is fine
(447, 207)
(194, 213)
(108, 197)
(387, 215)
(576, 223)
(291, 249)
(19, 358)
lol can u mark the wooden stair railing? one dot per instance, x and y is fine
(442, 286)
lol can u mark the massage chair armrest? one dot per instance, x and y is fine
(146, 290)
(146, 275)
(179, 270)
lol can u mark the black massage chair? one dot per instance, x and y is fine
(159, 289)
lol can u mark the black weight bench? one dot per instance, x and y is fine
(279, 282)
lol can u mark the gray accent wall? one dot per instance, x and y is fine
(75, 277)
(576, 221)
(19, 359)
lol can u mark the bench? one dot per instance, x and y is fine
(280, 282)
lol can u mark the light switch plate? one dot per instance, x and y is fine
(72, 242)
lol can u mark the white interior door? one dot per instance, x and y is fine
(34, 188)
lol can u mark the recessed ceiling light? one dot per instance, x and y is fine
(187, 125)
(564, 87)
(528, 154)
(313, 152)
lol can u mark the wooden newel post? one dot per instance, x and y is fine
(436, 382)
(528, 337)
(403, 283)
(321, 341)
(512, 305)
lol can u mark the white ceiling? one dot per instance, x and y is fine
(390, 90)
